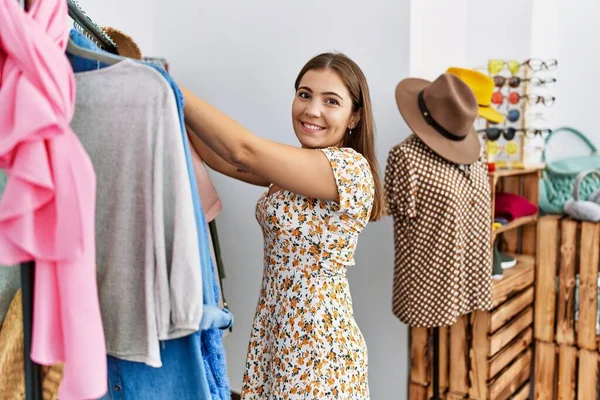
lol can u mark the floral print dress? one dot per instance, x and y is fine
(305, 343)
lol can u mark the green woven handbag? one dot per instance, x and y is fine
(558, 179)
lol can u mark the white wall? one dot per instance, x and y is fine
(438, 36)
(498, 30)
(577, 33)
(243, 57)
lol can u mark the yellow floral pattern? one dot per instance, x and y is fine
(305, 343)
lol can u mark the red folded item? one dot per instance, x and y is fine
(511, 206)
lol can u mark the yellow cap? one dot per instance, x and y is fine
(483, 88)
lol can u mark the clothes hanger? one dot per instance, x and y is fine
(102, 57)
(91, 30)
(84, 24)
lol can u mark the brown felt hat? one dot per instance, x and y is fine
(126, 47)
(441, 113)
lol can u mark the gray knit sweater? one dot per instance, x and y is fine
(149, 276)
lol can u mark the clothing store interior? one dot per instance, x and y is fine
(299, 200)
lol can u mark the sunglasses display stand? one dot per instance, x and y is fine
(506, 149)
(518, 144)
(535, 129)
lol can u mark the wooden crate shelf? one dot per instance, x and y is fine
(484, 354)
(514, 279)
(513, 377)
(567, 351)
(503, 173)
(517, 223)
(519, 345)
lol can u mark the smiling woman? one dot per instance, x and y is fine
(331, 108)
(305, 342)
(321, 115)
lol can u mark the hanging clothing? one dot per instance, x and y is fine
(12, 373)
(214, 318)
(442, 228)
(147, 244)
(211, 203)
(305, 342)
(202, 373)
(47, 210)
(178, 378)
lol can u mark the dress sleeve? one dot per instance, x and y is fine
(400, 185)
(354, 182)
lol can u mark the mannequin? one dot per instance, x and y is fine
(438, 193)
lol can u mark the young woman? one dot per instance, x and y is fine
(305, 342)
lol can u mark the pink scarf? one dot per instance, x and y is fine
(47, 210)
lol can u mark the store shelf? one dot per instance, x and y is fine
(514, 224)
(515, 172)
(501, 173)
(514, 279)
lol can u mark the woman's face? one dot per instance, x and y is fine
(322, 110)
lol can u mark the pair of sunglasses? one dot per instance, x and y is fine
(536, 65)
(495, 66)
(492, 148)
(499, 97)
(494, 134)
(538, 132)
(512, 116)
(547, 101)
(509, 133)
(515, 81)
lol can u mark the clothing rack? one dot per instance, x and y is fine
(33, 371)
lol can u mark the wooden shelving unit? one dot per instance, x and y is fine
(514, 280)
(489, 354)
(514, 172)
(567, 351)
(514, 224)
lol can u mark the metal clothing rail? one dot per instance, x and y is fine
(84, 24)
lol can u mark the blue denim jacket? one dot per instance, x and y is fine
(193, 366)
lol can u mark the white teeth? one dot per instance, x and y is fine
(313, 127)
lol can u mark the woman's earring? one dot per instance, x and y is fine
(350, 131)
